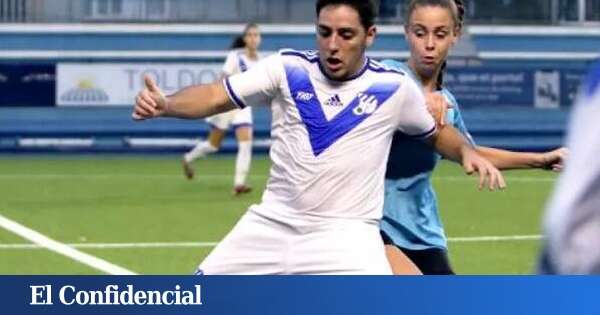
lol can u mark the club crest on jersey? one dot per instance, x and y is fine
(367, 104)
(304, 96)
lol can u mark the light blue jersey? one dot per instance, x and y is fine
(410, 214)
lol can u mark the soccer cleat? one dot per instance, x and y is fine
(188, 170)
(241, 189)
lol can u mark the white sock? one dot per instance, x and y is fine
(242, 162)
(200, 150)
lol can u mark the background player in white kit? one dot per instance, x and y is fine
(243, 56)
(334, 113)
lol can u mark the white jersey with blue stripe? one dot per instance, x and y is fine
(330, 139)
(410, 216)
(573, 218)
(237, 62)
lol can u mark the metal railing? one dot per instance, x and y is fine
(278, 11)
(13, 11)
(511, 11)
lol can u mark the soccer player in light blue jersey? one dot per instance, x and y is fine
(411, 221)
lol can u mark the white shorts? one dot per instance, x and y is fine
(259, 245)
(236, 118)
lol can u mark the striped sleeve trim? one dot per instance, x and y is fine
(234, 98)
(425, 135)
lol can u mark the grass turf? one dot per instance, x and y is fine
(134, 199)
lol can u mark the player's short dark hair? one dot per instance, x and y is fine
(366, 9)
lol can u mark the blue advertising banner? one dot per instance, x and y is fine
(495, 86)
(298, 295)
(475, 86)
(37, 84)
(570, 82)
(27, 84)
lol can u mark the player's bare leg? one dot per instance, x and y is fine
(212, 145)
(244, 157)
(400, 263)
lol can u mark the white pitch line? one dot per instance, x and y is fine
(227, 176)
(60, 248)
(117, 176)
(213, 244)
(495, 238)
(118, 245)
(508, 179)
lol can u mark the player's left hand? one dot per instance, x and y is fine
(489, 175)
(555, 160)
(437, 107)
(151, 102)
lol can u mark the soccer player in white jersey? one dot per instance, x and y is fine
(572, 222)
(334, 114)
(243, 56)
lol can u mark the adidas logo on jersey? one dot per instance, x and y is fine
(334, 101)
(366, 106)
(304, 96)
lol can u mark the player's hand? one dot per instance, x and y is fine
(437, 107)
(150, 102)
(489, 175)
(555, 160)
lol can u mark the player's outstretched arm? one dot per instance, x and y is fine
(196, 101)
(452, 145)
(505, 160)
(501, 159)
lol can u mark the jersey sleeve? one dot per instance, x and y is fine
(414, 119)
(456, 119)
(230, 67)
(258, 85)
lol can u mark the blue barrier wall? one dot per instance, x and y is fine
(578, 42)
(388, 42)
(111, 130)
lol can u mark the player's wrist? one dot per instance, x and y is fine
(466, 154)
(465, 149)
(539, 160)
(168, 104)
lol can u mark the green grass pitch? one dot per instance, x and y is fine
(135, 200)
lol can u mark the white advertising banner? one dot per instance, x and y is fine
(117, 84)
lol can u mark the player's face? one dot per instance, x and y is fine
(252, 38)
(342, 41)
(430, 34)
